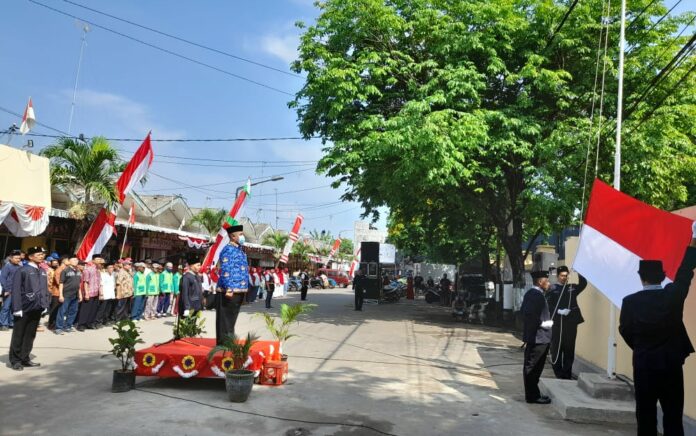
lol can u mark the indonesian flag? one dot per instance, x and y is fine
(103, 227)
(294, 235)
(334, 249)
(618, 233)
(135, 170)
(131, 214)
(28, 120)
(222, 238)
(354, 263)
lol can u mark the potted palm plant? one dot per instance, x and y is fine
(288, 315)
(238, 381)
(123, 345)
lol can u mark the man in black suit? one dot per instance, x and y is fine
(566, 316)
(191, 289)
(536, 335)
(651, 324)
(359, 289)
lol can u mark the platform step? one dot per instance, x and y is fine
(599, 386)
(575, 404)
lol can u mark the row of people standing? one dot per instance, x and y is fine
(267, 282)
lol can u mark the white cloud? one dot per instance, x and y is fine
(283, 47)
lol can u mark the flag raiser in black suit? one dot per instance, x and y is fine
(566, 315)
(651, 324)
(536, 335)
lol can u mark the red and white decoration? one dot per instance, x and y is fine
(103, 226)
(23, 220)
(618, 233)
(99, 233)
(131, 214)
(197, 243)
(294, 234)
(354, 264)
(28, 120)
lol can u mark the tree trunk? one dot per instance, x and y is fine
(511, 238)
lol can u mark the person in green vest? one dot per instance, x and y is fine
(139, 292)
(166, 284)
(176, 285)
(153, 292)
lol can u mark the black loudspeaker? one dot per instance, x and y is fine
(369, 252)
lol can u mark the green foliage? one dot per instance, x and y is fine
(470, 124)
(127, 337)
(232, 346)
(276, 240)
(90, 169)
(190, 326)
(302, 250)
(288, 315)
(210, 219)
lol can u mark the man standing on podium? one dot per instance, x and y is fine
(233, 283)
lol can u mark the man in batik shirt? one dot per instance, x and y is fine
(232, 285)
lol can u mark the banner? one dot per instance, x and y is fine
(334, 249)
(294, 235)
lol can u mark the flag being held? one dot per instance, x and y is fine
(620, 231)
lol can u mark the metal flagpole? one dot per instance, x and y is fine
(125, 236)
(85, 29)
(611, 356)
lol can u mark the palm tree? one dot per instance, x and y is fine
(302, 250)
(210, 219)
(90, 170)
(276, 240)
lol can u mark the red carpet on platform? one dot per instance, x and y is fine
(188, 358)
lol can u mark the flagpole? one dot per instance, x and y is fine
(611, 352)
(125, 236)
(85, 29)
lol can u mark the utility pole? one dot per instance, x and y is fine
(85, 29)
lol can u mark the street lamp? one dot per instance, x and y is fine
(272, 179)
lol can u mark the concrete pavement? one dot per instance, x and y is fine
(405, 369)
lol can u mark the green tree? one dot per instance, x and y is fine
(302, 250)
(89, 170)
(277, 240)
(210, 219)
(484, 104)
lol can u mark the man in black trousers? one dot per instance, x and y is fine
(359, 289)
(651, 324)
(304, 279)
(536, 335)
(30, 298)
(566, 316)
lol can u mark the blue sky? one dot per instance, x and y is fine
(126, 89)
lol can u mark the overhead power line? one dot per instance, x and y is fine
(261, 139)
(560, 25)
(164, 50)
(195, 44)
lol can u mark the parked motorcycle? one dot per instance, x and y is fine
(316, 283)
(432, 295)
(393, 292)
(295, 285)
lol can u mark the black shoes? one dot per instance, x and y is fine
(541, 400)
(17, 367)
(80, 328)
(30, 364)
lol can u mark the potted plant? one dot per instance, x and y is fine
(238, 381)
(124, 344)
(288, 314)
(189, 326)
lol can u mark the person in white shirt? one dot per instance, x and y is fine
(107, 296)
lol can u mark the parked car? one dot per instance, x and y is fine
(340, 277)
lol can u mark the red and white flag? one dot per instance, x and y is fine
(98, 235)
(131, 214)
(294, 235)
(620, 231)
(334, 249)
(28, 120)
(354, 263)
(135, 170)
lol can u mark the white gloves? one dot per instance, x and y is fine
(18, 314)
(45, 311)
(547, 324)
(693, 229)
(186, 313)
(563, 312)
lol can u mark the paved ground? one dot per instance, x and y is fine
(404, 369)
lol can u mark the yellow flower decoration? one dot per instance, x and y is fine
(149, 360)
(227, 363)
(188, 362)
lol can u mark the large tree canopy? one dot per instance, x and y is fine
(462, 116)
